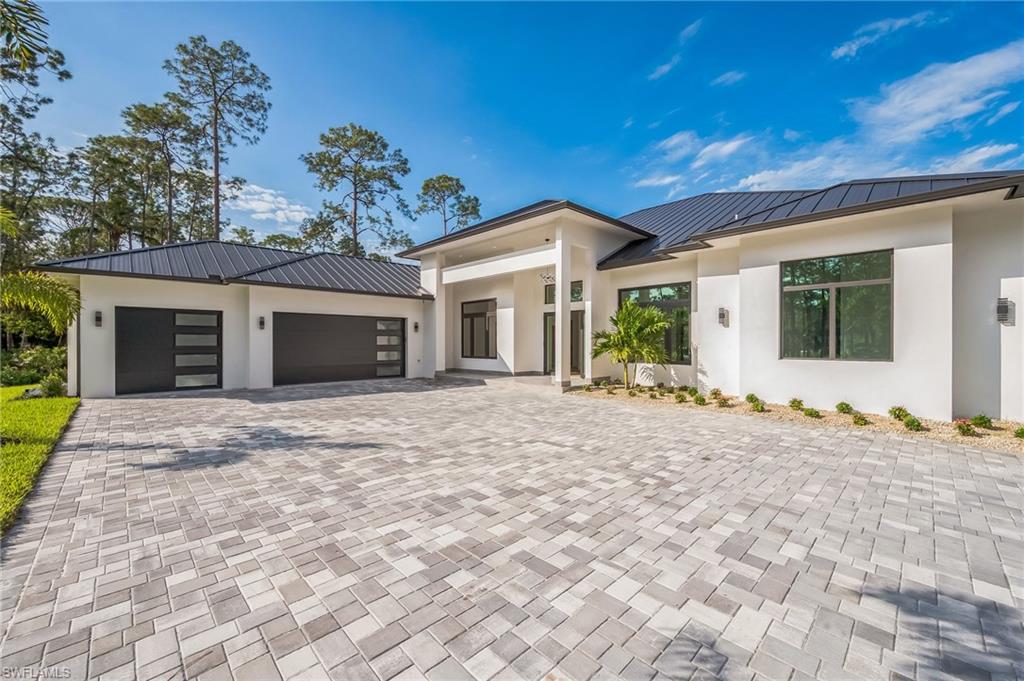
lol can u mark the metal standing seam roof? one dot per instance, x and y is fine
(212, 261)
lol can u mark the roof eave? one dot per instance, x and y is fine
(409, 296)
(1012, 182)
(499, 223)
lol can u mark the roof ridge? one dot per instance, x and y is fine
(721, 193)
(263, 268)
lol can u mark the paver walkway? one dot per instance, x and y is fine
(398, 530)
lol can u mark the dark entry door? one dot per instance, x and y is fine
(158, 349)
(575, 342)
(315, 348)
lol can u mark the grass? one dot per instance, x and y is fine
(29, 429)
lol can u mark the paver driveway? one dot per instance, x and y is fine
(398, 530)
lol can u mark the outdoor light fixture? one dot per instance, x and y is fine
(261, 323)
(1005, 311)
(98, 318)
(416, 327)
(723, 316)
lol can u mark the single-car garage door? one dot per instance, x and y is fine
(158, 349)
(313, 348)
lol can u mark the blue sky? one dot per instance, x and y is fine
(616, 106)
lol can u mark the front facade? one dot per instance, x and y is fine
(876, 292)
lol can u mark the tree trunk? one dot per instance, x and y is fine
(91, 241)
(170, 198)
(216, 174)
(625, 374)
(355, 220)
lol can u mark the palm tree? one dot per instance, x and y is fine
(639, 336)
(35, 291)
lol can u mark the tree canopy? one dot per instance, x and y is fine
(446, 196)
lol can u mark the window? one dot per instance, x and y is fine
(838, 307)
(674, 301)
(575, 293)
(194, 319)
(480, 329)
(195, 360)
(187, 339)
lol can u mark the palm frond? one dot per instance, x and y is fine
(57, 301)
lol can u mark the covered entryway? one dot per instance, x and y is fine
(316, 348)
(160, 349)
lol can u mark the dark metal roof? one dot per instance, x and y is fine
(688, 223)
(220, 262)
(524, 213)
(334, 272)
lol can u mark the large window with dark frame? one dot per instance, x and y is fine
(674, 301)
(838, 307)
(480, 329)
(575, 293)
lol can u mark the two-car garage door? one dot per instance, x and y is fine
(159, 349)
(310, 348)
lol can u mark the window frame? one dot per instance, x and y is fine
(491, 353)
(572, 285)
(689, 285)
(832, 288)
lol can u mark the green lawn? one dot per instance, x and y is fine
(28, 431)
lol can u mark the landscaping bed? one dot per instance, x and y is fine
(1000, 435)
(29, 430)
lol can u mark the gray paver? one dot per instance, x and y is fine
(460, 529)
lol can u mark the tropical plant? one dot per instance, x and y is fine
(53, 386)
(1019, 433)
(751, 398)
(813, 413)
(680, 397)
(911, 422)
(859, 419)
(844, 408)
(965, 427)
(796, 404)
(757, 406)
(899, 412)
(723, 401)
(981, 421)
(638, 336)
(714, 393)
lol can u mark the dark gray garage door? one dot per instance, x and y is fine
(157, 349)
(312, 348)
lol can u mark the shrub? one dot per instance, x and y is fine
(813, 413)
(796, 404)
(844, 408)
(632, 393)
(722, 401)
(981, 421)
(757, 406)
(587, 388)
(654, 395)
(1019, 433)
(53, 386)
(965, 427)
(684, 388)
(751, 398)
(693, 391)
(680, 397)
(899, 413)
(670, 389)
(699, 400)
(31, 365)
(714, 393)
(911, 422)
(859, 419)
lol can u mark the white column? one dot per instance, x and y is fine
(591, 294)
(563, 283)
(435, 326)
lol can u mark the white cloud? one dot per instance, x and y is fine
(679, 145)
(790, 135)
(628, 123)
(657, 180)
(940, 95)
(262, 203)
(876, 30)
(717, 151)
(973, 159)
(664, 68)
(1004, 111)
(690, 31)
(729, 78)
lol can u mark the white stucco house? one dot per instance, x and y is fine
(877, 292)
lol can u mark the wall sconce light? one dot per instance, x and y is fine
(723, 317)
(1005, 310)
(97, 318)
(261, 323)
(415, 327)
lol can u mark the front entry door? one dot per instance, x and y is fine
(576, 329)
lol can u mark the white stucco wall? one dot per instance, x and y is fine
(266, 300)
(920, 375)
(988, 263)
(106, 293)
(502, 289)
(669, 272)
(247, 350)
(717, 354)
